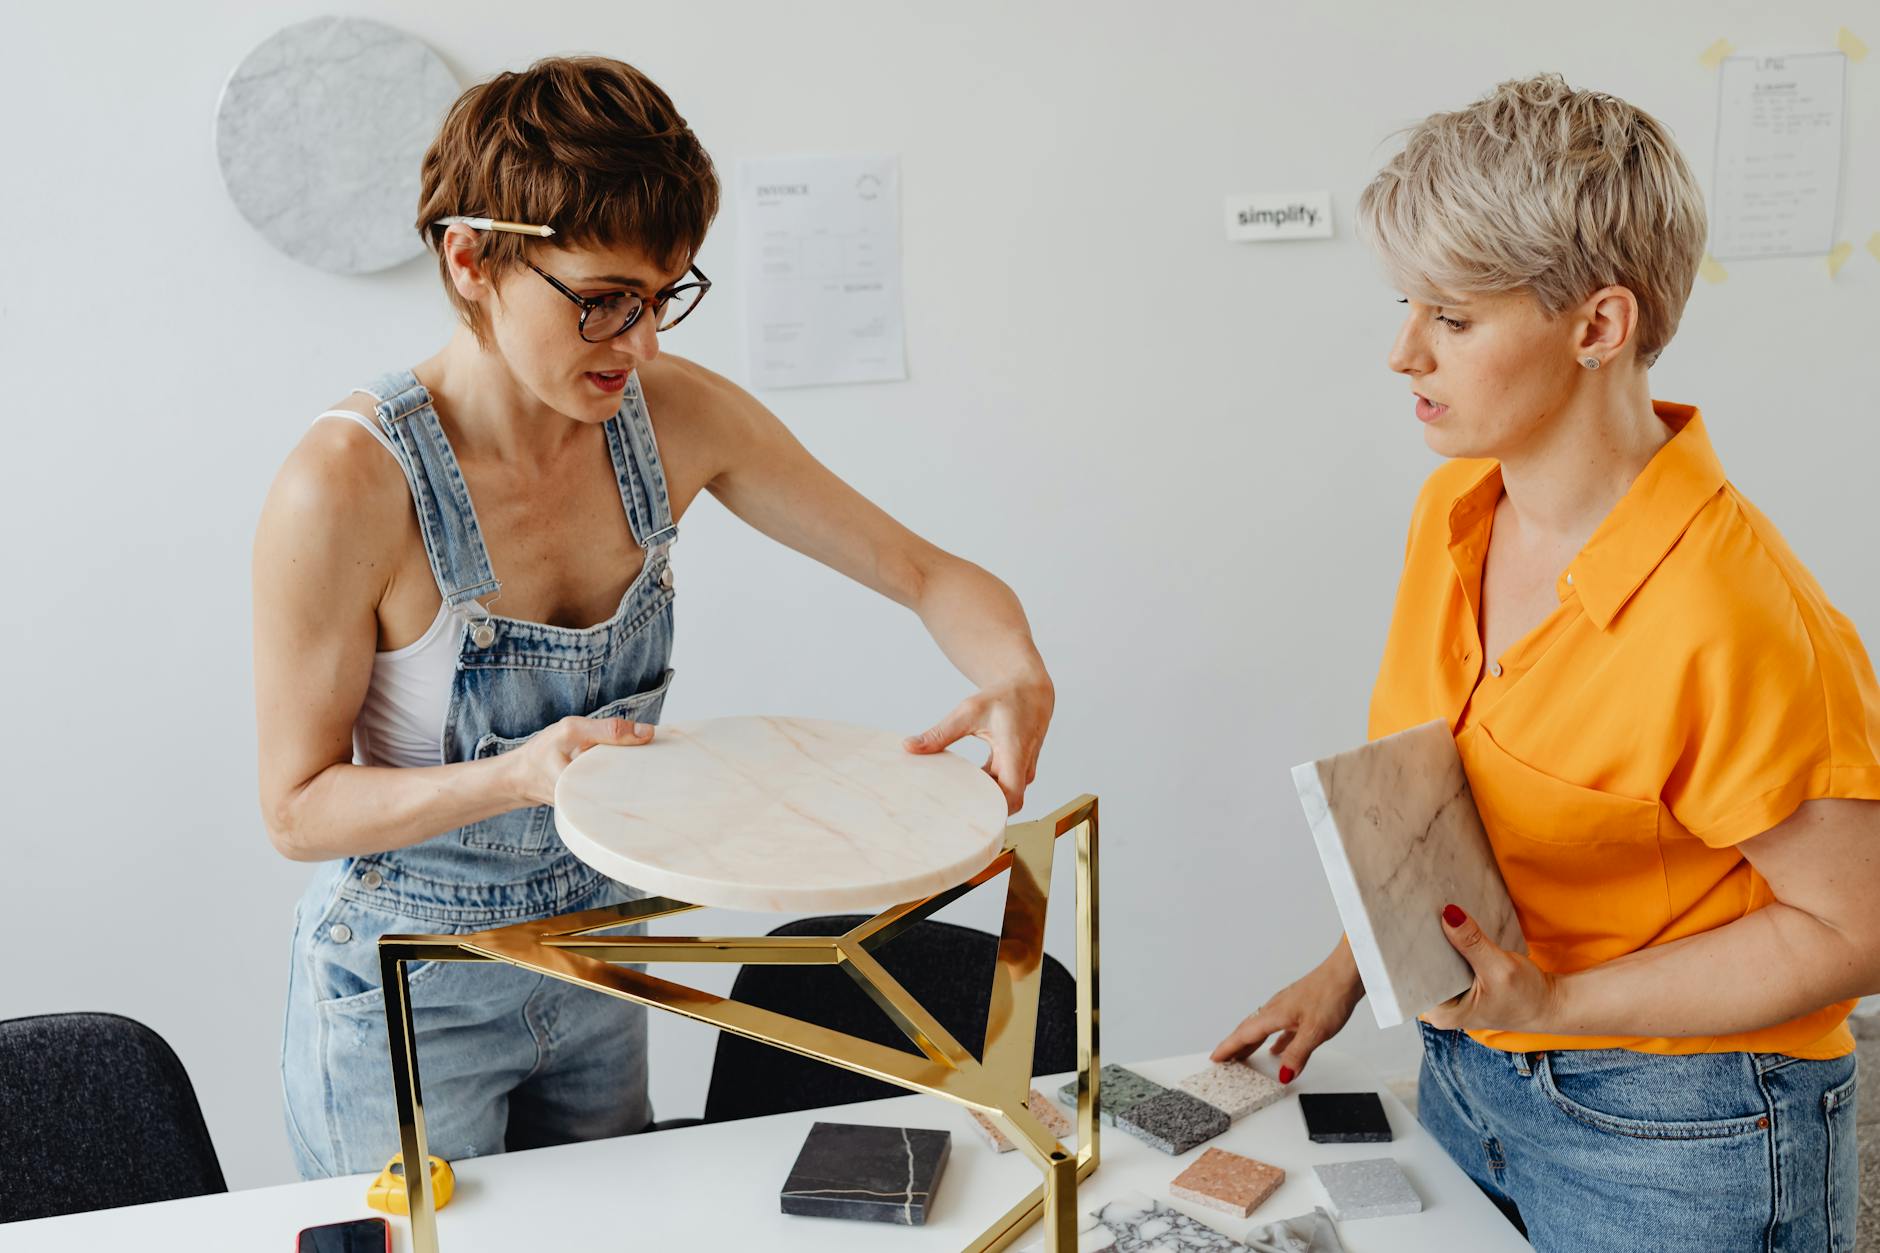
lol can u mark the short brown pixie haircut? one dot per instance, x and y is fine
(588, 145)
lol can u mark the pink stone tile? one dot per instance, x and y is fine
(1227, 1182)
(1041, 1108)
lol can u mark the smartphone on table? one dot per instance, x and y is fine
(357, 1235)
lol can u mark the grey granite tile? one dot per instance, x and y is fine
(1399, 837)
(1118, 1088)
(1142, 1225)
(1173, 1122)
(1372, 1188)
(875, 1174)
(1234, 1088)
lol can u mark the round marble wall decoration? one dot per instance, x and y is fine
(320, 133)
(780, 814)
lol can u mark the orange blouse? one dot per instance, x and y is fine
(1693, 687)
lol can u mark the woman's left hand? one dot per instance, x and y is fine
(1510, 992)
(1012, 718)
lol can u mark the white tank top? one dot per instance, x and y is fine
(402, 720)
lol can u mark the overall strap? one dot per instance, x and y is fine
(452, 539)
(641, 475)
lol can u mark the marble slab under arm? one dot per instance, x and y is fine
(1399, 837)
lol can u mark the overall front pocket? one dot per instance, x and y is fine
(532, 829)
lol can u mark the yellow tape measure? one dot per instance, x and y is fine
(387, 1193)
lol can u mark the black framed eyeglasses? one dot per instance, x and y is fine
(603, 317)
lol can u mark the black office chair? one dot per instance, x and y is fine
(947, 968)
(96, 1112)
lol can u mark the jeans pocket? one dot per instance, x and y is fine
(1843, 1166)
(1647, 1097)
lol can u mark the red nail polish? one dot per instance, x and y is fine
(1453, 916)
(1285, 1074)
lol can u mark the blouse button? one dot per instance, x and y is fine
(1569, 578)
(341, 933)
(1494, 668)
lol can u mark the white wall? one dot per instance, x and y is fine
(1186, 455)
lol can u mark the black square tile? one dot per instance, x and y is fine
(872, 1174)
(1344, 1118)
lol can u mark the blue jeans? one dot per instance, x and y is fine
(507, 1058)
(1606, 1149)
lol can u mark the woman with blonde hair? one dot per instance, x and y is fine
(1670, 732)
(412, 728)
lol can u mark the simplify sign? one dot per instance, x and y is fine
(1262, 216)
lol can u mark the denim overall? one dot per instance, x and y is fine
(508, 1058)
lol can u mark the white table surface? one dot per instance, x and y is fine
(715, 1187)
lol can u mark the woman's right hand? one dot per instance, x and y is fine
(535, 766)
(1305, 1015)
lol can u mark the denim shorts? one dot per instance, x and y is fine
(1613, 1151)
(507, 1058)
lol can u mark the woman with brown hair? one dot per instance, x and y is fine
(410, 737)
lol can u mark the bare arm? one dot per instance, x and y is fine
(769, 480)
(324, 554)
(1818, 943)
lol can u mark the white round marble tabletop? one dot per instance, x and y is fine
(780, 814)
(321, 132)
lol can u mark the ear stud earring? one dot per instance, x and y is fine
(1591, 363)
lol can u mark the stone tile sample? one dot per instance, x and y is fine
(1344, 1118)
(1227, 1182)
(785, 815)
(1372, 1188)
(1041, 1108)
(874, 1174)
(1173, 1122)
(1234, 1088)
(1118, 1088)
(1308, 1233)
(1399, 837)
(320, 134)
(1142, 1225)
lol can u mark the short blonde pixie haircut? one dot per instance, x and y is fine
(1540, 187)
(588, 145)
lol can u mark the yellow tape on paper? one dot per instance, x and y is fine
(1873, 245)
(1847, 41)
(1837, 257)
(1711, 271)
(1711, 57)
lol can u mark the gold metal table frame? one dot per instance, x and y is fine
(568, 948)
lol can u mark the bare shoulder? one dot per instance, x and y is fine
(704, 421)
(338, 487)
(686, 391)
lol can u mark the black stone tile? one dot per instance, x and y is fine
(1344, 1118)
(873, 1174)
